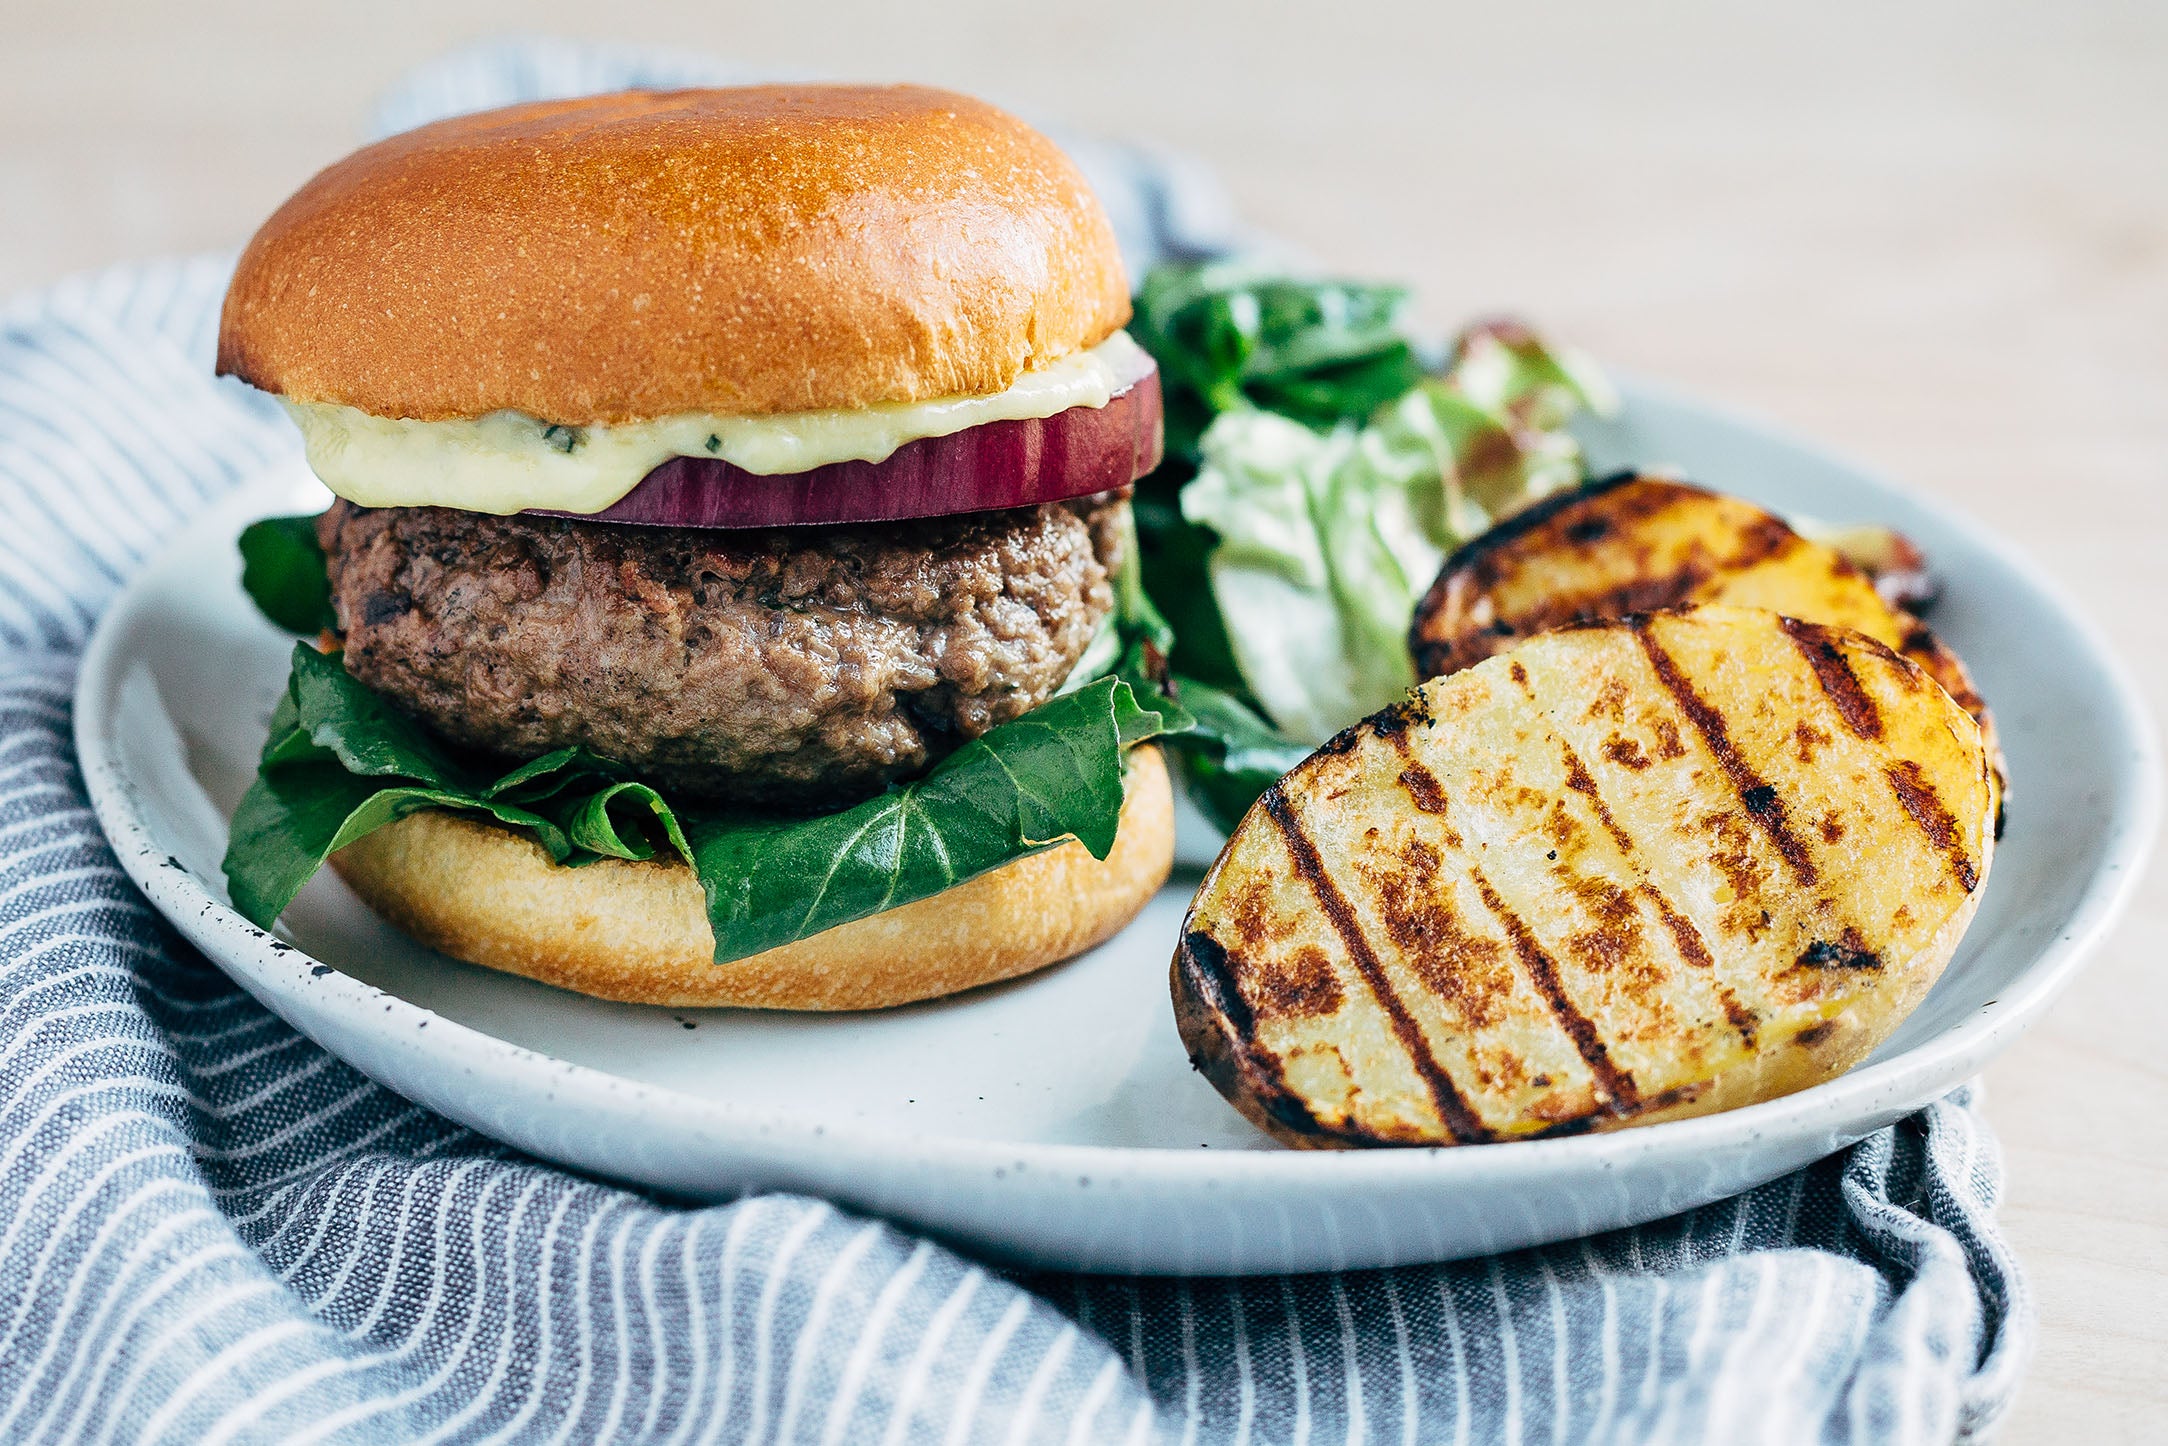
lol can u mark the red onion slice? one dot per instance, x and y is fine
(994, 465)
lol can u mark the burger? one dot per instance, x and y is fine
(730, 593)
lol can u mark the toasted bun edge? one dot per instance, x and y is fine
(638, 932)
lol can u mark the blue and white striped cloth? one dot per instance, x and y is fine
(212, 1231)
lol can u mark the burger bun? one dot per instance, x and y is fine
(638, 932)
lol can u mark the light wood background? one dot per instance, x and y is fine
(1935, 235)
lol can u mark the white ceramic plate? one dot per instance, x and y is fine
(1055, 1121)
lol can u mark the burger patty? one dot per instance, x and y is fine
(801, 666)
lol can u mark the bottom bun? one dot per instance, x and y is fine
(638, 932)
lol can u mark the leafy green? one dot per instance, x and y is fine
(1384, 469)
(1102, 655)
(1324, 542)
(1505, 367)
(1301, 634)
(1315, 479)
(282, 570)
(1231, 334)
(619, 820)
(1229, 755)
(340, 762)
(1172, 557)
(1055, 773)
(328, 713)
(295, 816)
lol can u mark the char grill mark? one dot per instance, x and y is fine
(1692, 948)
(1542, 971)
(1480, 555)
(1926, 653)
(1204, 962)
(1579, 519)
(1833, 671)
(1925, 808)
(1756, 795)
(1850, 952)
(1422, 787)
(1459, 1118)
(1577, 779)
(1695, 951)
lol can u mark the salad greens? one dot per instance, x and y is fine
(1235, 336)
(1326, 542)
(1228, 334)
(1229, 755)
(341, 762)
(1316, 479)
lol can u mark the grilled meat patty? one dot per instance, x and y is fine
(802, 666)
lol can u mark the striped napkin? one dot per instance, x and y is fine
(212, 1231)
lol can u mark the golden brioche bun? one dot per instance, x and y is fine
(638, 932)
(774, 248)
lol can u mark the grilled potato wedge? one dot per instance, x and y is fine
(1629, 544)
(1627, 872)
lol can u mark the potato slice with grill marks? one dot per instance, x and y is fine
(1628, 871)
(1627, 544)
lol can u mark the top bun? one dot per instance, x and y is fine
(766, 249)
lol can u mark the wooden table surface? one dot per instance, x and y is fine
(1933, 235)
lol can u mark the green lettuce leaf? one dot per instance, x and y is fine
(1268, 491)
(1229, 755)
(1325, 541)
(282, 570)
(340, 762)
(1232, 334)
(1173, 556)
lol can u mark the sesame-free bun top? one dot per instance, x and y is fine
(753, 250)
